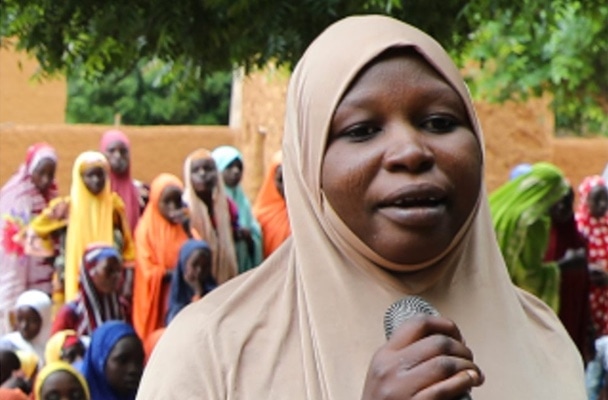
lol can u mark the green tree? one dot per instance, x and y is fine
(149, 95)
(524, 47)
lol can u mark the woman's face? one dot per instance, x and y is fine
(198, 267)
(170, 204)
(43, 175)
(28, 321)
(106, 275)
(94, 179)
(402, 167)
(61, 385)
(233, 173)
(118, 156)
(598, 201)
(203, 175)
(125, 365)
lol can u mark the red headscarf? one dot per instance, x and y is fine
(123, 184)
(594, 229)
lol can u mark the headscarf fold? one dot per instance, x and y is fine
(219, 234)
(181, 294)
(123, 184)
(158, 244)
(521, 214)
(271, 210)
(306, 323)
(224, 156)
(20, 201)
(54, 367)
(94, 308)
(103, 341)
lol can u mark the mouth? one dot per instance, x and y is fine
(415, 205)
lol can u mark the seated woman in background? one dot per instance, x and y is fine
(192, 279)
(23, 197)
(161, 232)
(114, 362)
(92, 213)
(212, 214)
(270, 208)
(522, 222)
(59, 380)
(32, 316)
(249, 236)
(98, 299)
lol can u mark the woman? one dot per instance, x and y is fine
(92, 213)
(192, 279)
(65, 346)
(23, 197)
(114, 362)
(383, 170)
(270, 207)
(98, 298)
(59, 380)
(160, 234)
(592, 221)
(212, 214)
(249, 237)
(32, 315)
(522, 221)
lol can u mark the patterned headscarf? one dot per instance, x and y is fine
(94, 308)
(594, 229)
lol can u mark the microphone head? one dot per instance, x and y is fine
(404, 309)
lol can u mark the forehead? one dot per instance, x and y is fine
(170, 192)
(117, 145)
(207, 162)
(27, 311)
(127, 345)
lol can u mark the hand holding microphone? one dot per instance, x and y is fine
(424, 358)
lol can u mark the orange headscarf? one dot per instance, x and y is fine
(271, 211)
(158, 243)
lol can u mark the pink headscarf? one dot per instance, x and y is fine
(123, 184)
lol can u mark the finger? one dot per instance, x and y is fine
(421, 326)
(430, 348)
(454, 387)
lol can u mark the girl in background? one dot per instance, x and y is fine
(23, 197)
(59, 380)
(114, 362)
(92, 213)
(270, 208)
(212, 214)
(249, 236)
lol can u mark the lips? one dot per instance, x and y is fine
(415, 196)
(421, 205)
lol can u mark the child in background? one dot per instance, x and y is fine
(33, 323)
(192, 279)
(114, 362)
(59, 380)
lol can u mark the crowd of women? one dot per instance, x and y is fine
(96, 275)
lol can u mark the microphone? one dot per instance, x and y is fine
(404, 309)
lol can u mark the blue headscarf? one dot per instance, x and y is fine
(180, 294)
(103, 341)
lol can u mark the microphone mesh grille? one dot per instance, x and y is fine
(404, 309)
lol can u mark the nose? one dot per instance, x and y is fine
(407, 149)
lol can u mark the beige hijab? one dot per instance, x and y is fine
(306, 323)
(219, 238)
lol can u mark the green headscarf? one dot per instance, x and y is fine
(520, 212)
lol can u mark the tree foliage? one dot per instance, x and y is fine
(150, 95)
(524, 47)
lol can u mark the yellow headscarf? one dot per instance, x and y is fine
(90, 219)
(29, 362)
(52, 351)
(59, 366)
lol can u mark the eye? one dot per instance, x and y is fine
(440, 124)
(360, 132)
